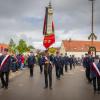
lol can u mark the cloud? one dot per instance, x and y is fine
(24, 19)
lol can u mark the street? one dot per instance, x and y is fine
(72, 86)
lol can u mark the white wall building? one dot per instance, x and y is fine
(78, 48)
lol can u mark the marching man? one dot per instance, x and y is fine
(31, 61)
(95, 74)
(47, 70)
(5, 63)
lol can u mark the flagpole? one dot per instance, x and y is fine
(48, 29)
(50, 1)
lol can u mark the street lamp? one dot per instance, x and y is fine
(92, 28)
(92, 36)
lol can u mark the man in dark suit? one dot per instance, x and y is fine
(62, 64)
(87, 64)
(40, 62)
(66, 62)
(94, 74)
(31, 62)
(5, 64)
(71, 62)
(57, 63)
(47, 70)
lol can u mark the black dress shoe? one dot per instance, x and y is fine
(31, 75)
(99, 92)
(45, 87)
(95, 90)
(6, 87)
(50, 88)
(58, 78)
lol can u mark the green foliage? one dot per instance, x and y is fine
(22, 46)
(30, 47)
(12, 46)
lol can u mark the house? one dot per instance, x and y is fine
(78, 47)
(2, 46)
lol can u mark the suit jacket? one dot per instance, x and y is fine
(31, 60)
(66, 60)
(57, 61)
(6, 67)
(93, 73)
(47, 64)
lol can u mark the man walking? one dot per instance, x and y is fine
(57, 63)
(95, 74)
(66, 62)
(87, 64)
(71, 62)
(31, 62)
(47, 70)
(5, 64)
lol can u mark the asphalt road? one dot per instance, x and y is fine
(72, 86)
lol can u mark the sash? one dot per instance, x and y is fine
(95, 68)
(47, 60)
(4, 61)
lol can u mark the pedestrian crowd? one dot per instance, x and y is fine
(46, 62)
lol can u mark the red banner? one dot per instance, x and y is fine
(49, 37)
(48, 40)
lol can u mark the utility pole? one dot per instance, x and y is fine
(92, 36)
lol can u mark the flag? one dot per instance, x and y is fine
(48, 29)
(45, 22)
(48, 40)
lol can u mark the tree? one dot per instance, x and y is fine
(12, 46)
(22, 46)
(30, 47)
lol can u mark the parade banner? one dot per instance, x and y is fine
(48, 40)
(4, 61)
(48, 28)
(95, 69)
(45, 22)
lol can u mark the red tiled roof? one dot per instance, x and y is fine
(2, 46)
(79, 46)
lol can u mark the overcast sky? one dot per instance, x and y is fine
(24, 19)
